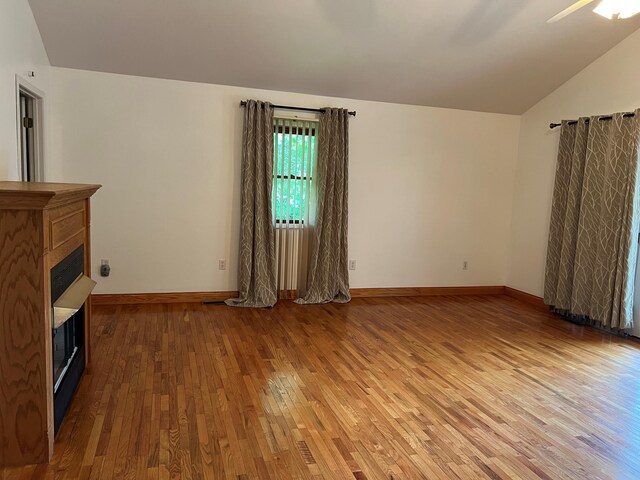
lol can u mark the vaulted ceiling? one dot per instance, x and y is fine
(486, 55)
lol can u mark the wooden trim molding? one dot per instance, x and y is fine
(199, 297)
(425, 291)
(169, 297)
(536, 302)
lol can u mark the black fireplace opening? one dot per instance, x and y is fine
(68, 349)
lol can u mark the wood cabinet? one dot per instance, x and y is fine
(40, 224)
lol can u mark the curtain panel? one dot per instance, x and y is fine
(593, 232)
(257, 285)
(328, 272)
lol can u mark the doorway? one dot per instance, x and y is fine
(30, 134)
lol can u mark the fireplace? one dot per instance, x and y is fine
(68, 349)
(45, 312)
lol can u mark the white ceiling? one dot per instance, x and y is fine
(487, 55)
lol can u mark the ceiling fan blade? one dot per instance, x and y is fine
(568, 11)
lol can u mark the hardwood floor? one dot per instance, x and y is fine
(389, 388)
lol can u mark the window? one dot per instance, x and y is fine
(294, 151)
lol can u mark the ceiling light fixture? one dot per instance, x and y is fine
(615, 9)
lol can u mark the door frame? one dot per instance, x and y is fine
(25, 87)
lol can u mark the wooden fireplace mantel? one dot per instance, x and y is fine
(40, 224)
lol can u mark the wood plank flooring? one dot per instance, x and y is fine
(393, 388)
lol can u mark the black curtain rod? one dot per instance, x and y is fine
(606, 117)
(298, 109)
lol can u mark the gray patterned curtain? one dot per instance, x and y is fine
(257, 284)
(328, 273)
(593, 234)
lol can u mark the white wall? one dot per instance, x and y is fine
(429, 187)
(21, 51)
(610, 84)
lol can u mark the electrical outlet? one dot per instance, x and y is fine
(105, 269)
(352, 264)
(465, 265)
(222, 264)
